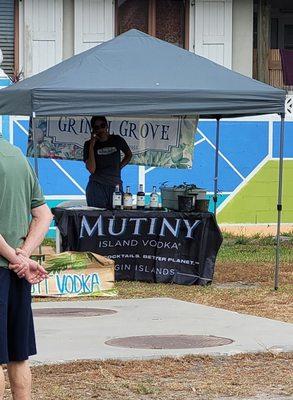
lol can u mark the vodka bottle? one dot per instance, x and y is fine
(140, 198)
(154, 204)
(117, 198)
(127, 199)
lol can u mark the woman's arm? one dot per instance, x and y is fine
(126, 151)
(126, 159)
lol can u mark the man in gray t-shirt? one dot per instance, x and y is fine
(24, 221)
(102, 156)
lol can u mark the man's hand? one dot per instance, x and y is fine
(20, 265)
(34, 273)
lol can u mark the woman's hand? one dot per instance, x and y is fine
(91, 162)
(93, 140)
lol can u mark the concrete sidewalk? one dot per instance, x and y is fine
(74, 338)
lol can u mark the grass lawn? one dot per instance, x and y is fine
(243, 282)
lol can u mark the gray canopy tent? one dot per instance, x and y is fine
(136, 74)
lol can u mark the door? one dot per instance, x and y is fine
(42, 34)
(93, 23)
(211, 30)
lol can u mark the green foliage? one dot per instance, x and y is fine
(144, 388)
(241, 239)
(178, 156)
(63, 261)
(49, 242)
(256, 239)
(103, 293)
(251, 252)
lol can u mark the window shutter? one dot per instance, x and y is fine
(43, 34)
(211, 30)
(93, 23)
(7, 35)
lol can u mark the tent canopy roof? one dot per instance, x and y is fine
(137, 74)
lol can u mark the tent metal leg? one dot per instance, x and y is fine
(58, 241)
(279, 205)
(36, 165)
(215, 196)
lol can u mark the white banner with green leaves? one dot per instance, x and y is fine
(154, 141)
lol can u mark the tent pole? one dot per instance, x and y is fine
(35, 147)
(36, 165)
(215, 197)
(279, 205)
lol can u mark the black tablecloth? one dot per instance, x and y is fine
(153, 246)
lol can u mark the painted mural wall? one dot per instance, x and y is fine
(248, 168)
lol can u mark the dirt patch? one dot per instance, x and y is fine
(250, 230)
(185, 378)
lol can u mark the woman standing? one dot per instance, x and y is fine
(102, 157)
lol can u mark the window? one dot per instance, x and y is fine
(274, 33)
(7, 35)
(170, 21)
(164, 19)
(132, 14)
(288, 36)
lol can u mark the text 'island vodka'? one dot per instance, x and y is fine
(140, 198)
(127, 199)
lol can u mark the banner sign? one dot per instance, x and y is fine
(89, 280)
(145, 245)
(166, 142)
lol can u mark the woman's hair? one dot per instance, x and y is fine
(98, 118)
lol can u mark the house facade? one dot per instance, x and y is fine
(45, 32)
(243, 35)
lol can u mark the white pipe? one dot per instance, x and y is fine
(215, 197)
(279, 205)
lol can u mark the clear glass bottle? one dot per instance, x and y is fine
(140, 198)
(117, 198)
(154, 203)
(127, 199)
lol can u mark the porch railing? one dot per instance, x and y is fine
(289, 105)
(275, 70)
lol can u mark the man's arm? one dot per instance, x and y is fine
(21, 265)
(39, 226)
(9, 254)
(41, 220)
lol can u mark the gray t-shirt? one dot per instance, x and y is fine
(108, 158)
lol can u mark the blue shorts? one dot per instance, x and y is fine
(17, 336)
